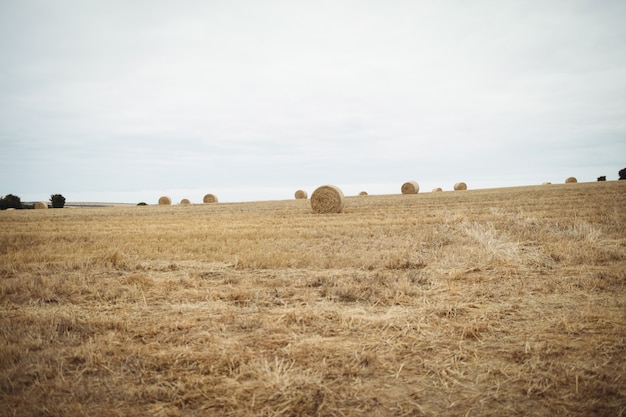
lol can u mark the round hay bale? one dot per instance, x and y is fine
(547, 183)
(363, 193)
(571, 180)
(185, 202)
(327, 199)
(165, 201)
(41, 205)
(460, 186)
(209, 199)
(301, 195)
(436, 190)
(410, 187)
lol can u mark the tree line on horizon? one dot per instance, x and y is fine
(15, 202)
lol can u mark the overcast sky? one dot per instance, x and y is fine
(125, 101)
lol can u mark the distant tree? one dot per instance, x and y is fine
(622, 174)
(58, 201)
(602, 178)
(143, 203)
(10, 201)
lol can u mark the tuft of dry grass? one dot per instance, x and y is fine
(507, 302)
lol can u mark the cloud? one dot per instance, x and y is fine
(234, 94)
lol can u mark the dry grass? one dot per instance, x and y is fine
(507, 302)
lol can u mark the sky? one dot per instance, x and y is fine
(126, 101)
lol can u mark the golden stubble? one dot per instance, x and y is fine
(485, 302)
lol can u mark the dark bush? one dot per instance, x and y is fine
(142, 204)
(622, 174)
(58, 201)
(10, 201)
(602, 178)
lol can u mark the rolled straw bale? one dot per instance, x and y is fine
(571, 180)
(410, 187)
(436, 190)
(301, 195)
(165, 201)
(460, 186)
(209, 198)
(41, 205)
(185, 202)
(363, 193)
(547, 183)
(327, 199)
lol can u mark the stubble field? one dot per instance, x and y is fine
(503, 302)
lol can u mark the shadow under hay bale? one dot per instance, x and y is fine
(410, 187)
(327, 199)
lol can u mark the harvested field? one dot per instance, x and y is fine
(502, 302)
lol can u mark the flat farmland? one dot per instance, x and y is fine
(499, 302)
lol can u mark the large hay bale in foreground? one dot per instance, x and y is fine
(410, 187)
(436, 190)
(571, 180)
(460, 186)
(301, 195)
(165, 201)
(185, 202)
(41, 205)
(209, 198)
(327, 199)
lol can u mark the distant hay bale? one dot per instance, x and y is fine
(209, 199)
(547, 183)
(460, 186)
(185, 202)
(410, 187)
(436, 190)
(363, 193)
(41, 205)
(571, 180)
(165, 201)
(301, 195)
(327, 199)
